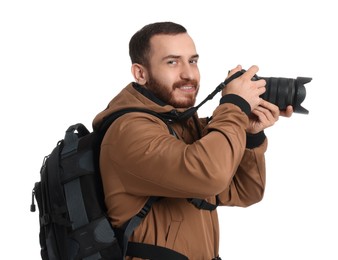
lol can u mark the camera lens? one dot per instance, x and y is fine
(286, 91)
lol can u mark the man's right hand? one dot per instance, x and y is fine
(246, 88)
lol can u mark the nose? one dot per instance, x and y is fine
(188, 71)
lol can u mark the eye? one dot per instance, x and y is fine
(172, 62)
(193, 61)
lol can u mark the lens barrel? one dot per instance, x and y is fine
(286, 91)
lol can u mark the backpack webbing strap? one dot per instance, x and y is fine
(146, 251)
(135, 221)
(75, 204)
(112, 117)
(73, 192)
(77, 209)
(203, 204)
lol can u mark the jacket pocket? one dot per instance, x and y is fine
(172, 233)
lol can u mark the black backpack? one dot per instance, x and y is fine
(72, 214)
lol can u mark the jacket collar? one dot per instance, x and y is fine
(148, 94)
(174, 114)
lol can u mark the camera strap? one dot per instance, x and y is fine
(175, 115)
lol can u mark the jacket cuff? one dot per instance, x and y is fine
(238, 101)
(254, 140)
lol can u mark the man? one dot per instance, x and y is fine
(217, 160)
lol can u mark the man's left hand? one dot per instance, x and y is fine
(266, 115)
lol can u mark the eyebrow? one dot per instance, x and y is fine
(178, 56)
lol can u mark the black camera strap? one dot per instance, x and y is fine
(182, 116)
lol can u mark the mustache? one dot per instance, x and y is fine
(181, 83)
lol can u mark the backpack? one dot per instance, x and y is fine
(72, 214)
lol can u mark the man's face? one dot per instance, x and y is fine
(173, 74)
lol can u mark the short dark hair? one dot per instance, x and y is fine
(139, 44)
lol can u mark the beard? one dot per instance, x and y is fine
(167, 95)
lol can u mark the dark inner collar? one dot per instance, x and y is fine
(148, 94)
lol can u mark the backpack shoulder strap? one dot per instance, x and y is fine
(112, 117)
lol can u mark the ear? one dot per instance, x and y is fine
(140, 73)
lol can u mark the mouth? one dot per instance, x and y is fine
(187, 88)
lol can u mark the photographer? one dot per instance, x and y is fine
(207, 162)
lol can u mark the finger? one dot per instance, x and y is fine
(250, 72)
(288, 111)
(270, 110)
(234, 70)
(260, 87)
(274, 110)
(264, 116)
(260, 83)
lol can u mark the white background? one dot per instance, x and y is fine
(62, 61)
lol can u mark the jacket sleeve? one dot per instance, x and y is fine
(248, 184)
(143, 159)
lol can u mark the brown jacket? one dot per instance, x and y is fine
(140, 158)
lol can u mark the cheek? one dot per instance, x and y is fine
(168, 82)
(162, 75)
(168, 77)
